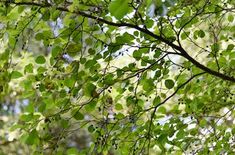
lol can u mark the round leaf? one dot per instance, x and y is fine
(169, 83)
(119, 8)
(40, 59)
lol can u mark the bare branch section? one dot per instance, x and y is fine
(143, 30)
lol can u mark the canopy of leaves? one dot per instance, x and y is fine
(117, 77)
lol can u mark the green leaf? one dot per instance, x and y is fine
(162, 138)
(118, 107)
(184, 35)
(42, 107)
(69, 82)
(64, 123)
(119, 116)
(231, 18)
(5, 55)
(32, 138)
(40, 59)
(30, 108)
(28, 68)
(180, 134)
(91, 51)
(124, 39)
(90, 106)
(41, 70)
(203, 122)
(91, 128)
(16, 75)
(215, 47)
(137, 54)
(230, 47)
(157, 53)
(56, 51)
(78, 116)
(119, 8)
(201, 34)
(156, 100)
(149, 23)
(72, 151)
(90, 63)
(39, 36)
(161, 110)
(169, 83)
(157, 74)
(46, 15)
(89, 89)
(73, 49)
(55, 14)
(108, 79)
(148, 84)
(26, 117)
(140, 103)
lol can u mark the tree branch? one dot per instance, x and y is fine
(146, 31)
(169, 97)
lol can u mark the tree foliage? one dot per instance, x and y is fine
(117, 76)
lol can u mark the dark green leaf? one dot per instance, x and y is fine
(169, 83)
(201, 34)
(91, 128)
(230, 47)
(78, 116)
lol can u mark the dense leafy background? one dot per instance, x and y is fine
(117, 77)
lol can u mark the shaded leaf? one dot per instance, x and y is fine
(169, 83)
